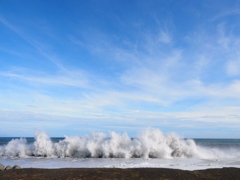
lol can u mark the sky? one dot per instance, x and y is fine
(72, 67)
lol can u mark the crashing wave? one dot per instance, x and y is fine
(150, 143)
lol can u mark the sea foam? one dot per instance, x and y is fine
(150, 143)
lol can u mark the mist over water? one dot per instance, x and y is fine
(150, 143)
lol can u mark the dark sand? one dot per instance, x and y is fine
(119, 174)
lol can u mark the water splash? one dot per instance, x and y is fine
(150, 143)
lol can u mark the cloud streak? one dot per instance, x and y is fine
(161, 73)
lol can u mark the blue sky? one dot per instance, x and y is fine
(73, 67)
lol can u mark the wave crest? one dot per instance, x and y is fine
(150, 143)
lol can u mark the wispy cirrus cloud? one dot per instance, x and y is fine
(152, 72)
(75, 79)
(165, 37)
(148, 74)
(224, 12)
(42, 48)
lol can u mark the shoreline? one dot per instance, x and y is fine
(119, 174)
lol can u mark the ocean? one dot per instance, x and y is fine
(150, 148)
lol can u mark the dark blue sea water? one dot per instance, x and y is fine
(218, 142)
(6, 140)
(202, 142)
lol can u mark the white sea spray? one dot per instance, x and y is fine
(16, 148)
(150, 143)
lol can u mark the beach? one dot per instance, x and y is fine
(119, 174)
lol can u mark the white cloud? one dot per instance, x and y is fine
(164, 37)
(233, 66)
(146, 72)
(42, 48)
(226, 12)
(75, 79)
